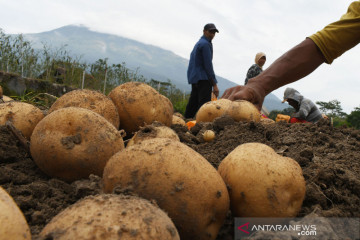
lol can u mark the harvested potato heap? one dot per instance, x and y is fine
(89, 99)
(13, 224)
(263, 183)
(22, 115)
(110, 216)
(239, 110)
(72, 143)
(155, 130)
(139, 104)
(183, 183)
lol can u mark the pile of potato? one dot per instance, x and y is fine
(83, 133)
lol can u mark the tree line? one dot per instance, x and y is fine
(58, 65)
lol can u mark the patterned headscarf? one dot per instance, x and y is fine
(258, 56)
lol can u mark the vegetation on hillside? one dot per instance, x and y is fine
(60, 66)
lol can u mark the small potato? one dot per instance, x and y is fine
(89, 99)
(139, 104)
(213, 109)
(72, 143)
(263, 183)
(244, 111)
(183, 183)
(178, 120)
(23, 116)
(266, 121)
(6, 99)
(110, 216)
(13, 224)
(155, 130)
(208, 135)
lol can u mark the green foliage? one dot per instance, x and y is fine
(354, 118)
(332, 108)
(36, 99)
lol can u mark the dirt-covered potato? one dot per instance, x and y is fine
(155, 130)
(72, 143)
(110, 216)
(139, 104)
(178, 120)
(89, 99)
(213, 109)
(266, 121)
(244, 111)
(23, 116)
(13, 224)
(208, 135)
(263, 183)
(182, 182)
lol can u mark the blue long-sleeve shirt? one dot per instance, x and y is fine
(200, 64)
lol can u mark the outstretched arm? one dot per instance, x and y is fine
(295, 64)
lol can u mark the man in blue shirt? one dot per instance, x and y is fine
(200, 72)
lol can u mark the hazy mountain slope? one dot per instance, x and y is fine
(150, 61)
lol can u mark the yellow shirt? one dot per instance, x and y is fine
(338, 37)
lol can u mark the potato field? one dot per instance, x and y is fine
(94, 170)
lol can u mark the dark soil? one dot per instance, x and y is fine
(329, 157)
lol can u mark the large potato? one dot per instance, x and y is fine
(109, 216)
(72, 143)
(139, 104)
(154, 130)
(263, 183)
(213, 109)
(183, 183)
(89, 99)
(23, 116)
(13, 224)
(244, 111)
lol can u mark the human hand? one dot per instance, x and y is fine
(247, 93)
(216, 90)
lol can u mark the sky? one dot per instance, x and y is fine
(245, 28)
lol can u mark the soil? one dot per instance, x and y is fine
(329, 157)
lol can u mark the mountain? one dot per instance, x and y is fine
(150, 61)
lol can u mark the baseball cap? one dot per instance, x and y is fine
(210, 26)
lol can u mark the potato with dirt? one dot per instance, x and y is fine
(155, 130)
(89, 99)
(110, 216)
(72, 143)
(23, 116)
(139, 104)
(213, 109)
(263, 183)
(183, 183)
(243, 111)
(13, 224)
(178, 120)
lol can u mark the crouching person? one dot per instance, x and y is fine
(305, 109)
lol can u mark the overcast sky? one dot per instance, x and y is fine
(246, 27)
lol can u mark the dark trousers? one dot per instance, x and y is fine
(200, 94)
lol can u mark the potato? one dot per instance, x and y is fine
(244, 111)
(89, 99)
(208, 135)
(1, 92)
(155, 130)
(139, 104)
(12, 221)
(110, 216)
(6, 99)
(183, 183)
(266, 121)
(263, 183)
(72, 143)
(23, 116)
(282, 118)
(213, 109)
(178, 120)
